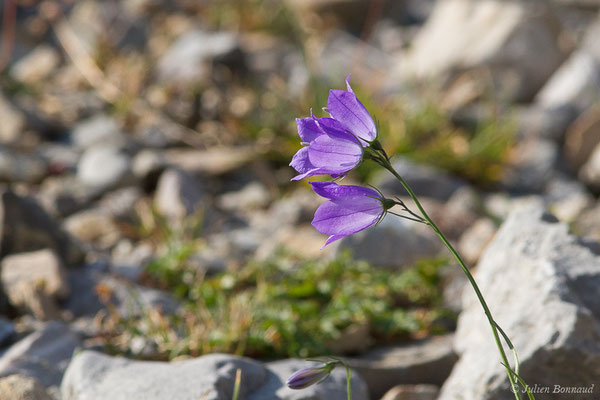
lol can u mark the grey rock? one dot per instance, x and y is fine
(500, 205)
(426, 361)
(130, 260)
(457, 214)
(26, 276)
(94, 226)
(93, 375)
(97, 130)
(120, 203)
(252, 196)
(43, 354)
(550, 312)
(265, 56)
(93, 286)
(333, 388)
(590, 171)
(189, 58)
(566, 197)
(213, 161)
(84, 300)
(22, 387)
(21, 167)
(104, 167)
(7, 331)
(25, 226)
(61, 157)
(394, 243)
(454, 283)
(587, 224)
(473, 241)
(516, 42)
(13, 121)
(36, 65)
(581, 139)
(550, 122)
(531, 166)
(178, 194)
(147, 166)
(412, 392)
(337, 56)
(424, 180)
(64, 195)
(577, 82)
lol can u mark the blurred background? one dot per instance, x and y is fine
(146, 206)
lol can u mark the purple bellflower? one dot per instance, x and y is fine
(350, 209)
(345, 107)
(334, 146)
(309, 376)
(330, 148)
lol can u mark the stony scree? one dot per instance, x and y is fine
(333, 388)
(43, 354)
(394, 243)
(190, 56)
(25, 226)
(577, 81)
(178, 194)
(427, 361)
(35, 281)
(532, 261)
(97, 130)
(412, 392)
(104, 167)
(7, 331)
(36, 65)
(474, 240)
(13, 121)
(93, 375)
(17, 166)
(424, 180)
(22, 387)
(505, 33)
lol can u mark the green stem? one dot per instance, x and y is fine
(387, 165)
(236, 386)
(348, 381)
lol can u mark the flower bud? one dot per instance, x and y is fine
(309, 376)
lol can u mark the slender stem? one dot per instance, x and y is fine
(236, 387)
(384, 162)
(348, 381)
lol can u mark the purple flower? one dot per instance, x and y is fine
(350, 112)
(330, 149)
(350, 209)
(308, 376)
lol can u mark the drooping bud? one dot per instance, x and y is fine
(309, 376)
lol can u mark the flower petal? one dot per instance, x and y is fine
(301, 163)
(346, 217)
(335, 128)
(334, 154)
(347, 109)
(333, 191)
(308, 130)
(332, 239)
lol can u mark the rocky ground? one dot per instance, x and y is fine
(144, 146)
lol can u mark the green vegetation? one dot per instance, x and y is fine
(282, 307)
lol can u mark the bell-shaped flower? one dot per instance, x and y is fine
(329, 148)
(350, 209)
(345, 107)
